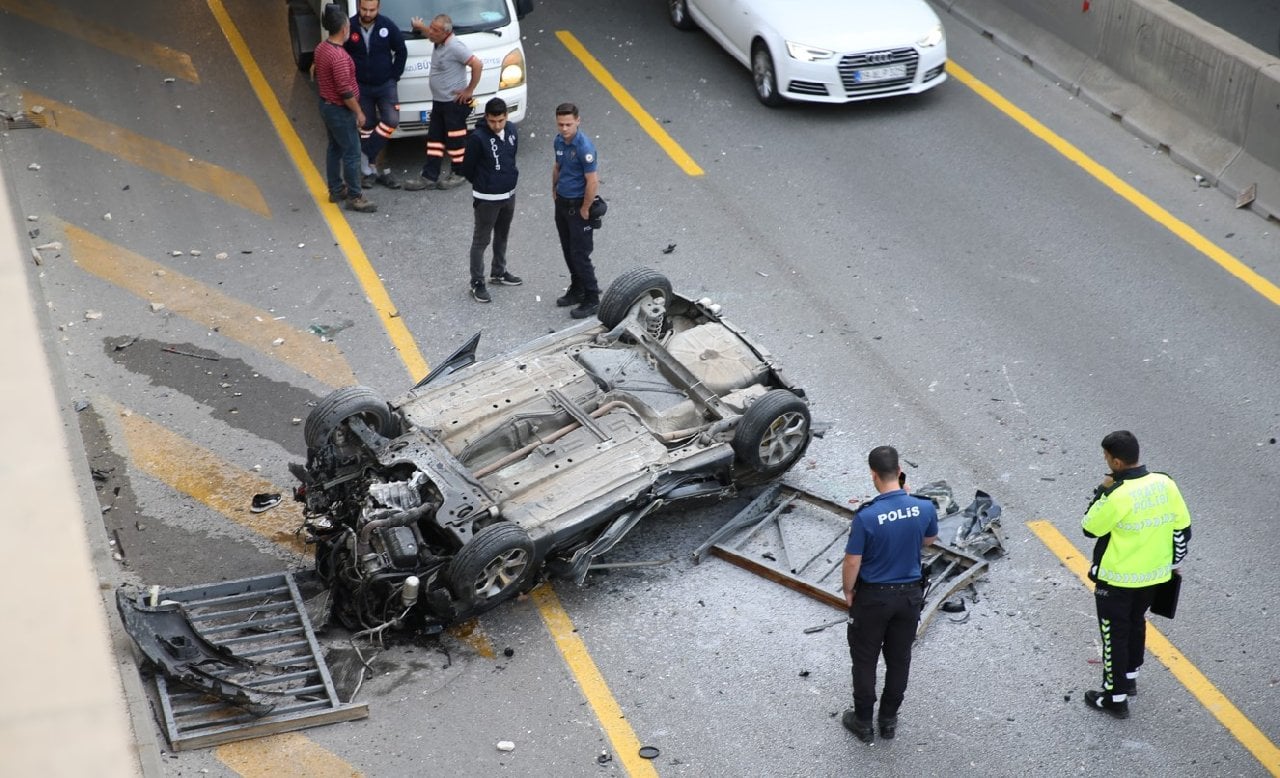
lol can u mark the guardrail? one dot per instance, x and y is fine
(1210, 99)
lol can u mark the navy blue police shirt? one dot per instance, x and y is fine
(888, 533)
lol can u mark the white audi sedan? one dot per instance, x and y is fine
(826, 51)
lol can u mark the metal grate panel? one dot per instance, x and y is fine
(263, 619)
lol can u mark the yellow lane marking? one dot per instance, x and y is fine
(290, 755)
(113, 39)
(1201, 687)
(199, 473)
(149, 153)
(625, 743)
(624, 98)
(338, 225)
(191, 299)
(1113, 182)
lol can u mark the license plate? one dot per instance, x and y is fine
(885, 73)
(425, 116)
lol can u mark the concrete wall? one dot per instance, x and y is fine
(1210, 99)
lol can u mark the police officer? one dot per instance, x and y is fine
(882, 586)
(1143, 527)
(574, 182)
(377, 47)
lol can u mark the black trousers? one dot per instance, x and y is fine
(493, 218)
(882, 621)
(1122, 623)
(446, 134)
(577, 242)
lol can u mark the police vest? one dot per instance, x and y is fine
(1134, 524)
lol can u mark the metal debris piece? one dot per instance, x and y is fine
(248, 643)
(92, 315)
(35, 256)
(172, 350)
(52, 245)
(649, 752)
(156, 307)
(805, 532)
(1249, 194)
(33, 166)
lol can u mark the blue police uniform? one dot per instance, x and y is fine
(888, 533)
(576, 158)
(380, 55)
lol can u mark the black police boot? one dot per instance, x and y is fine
(888, 727)
(588, 307)
(860, 727)
(1104, 701)
(570, 297)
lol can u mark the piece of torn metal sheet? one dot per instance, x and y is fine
(234, 660)
(796, 538)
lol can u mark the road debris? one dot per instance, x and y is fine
(33, 166)
(35, 257)
(172, 350)
(175, 253)
(648, 752)
(195, 252)
(506, 745)
(106, 217)
(1249, 194)
(33, 218)
(670, 248)
(156, 307)
(264, 501)
(278, 342)
(92, 315)
(52, 245)
(220, 255)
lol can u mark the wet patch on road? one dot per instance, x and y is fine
(156, 549)
(238, 395)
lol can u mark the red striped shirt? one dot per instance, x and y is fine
(335, 73)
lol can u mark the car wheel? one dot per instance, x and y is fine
(678, 12)
(302, 21)
(348, 403)
(627, 290)
(773, 434)
(765, 76)
(492, 568)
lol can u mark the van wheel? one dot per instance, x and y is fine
(678, 13)
(304, 30)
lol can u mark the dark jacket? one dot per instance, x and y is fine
(384, 60)
(490, 163)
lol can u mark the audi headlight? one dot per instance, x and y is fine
(807, 53)
(934, 37)
(512, 72)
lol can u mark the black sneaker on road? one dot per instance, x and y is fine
(450, 181)
(481, 294)
(1103, 701)
(506, 279)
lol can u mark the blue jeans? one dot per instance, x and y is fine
(342, 159)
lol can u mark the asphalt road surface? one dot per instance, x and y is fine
(935, 271)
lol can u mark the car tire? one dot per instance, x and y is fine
(765, 75)
(347, 403)
(678, 13)
(627, 289)
(772, 435)
(492, 568)
(303, 25)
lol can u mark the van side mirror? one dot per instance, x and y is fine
(523, 8)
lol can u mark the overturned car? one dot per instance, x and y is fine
(456, 495)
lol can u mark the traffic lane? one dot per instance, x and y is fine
(696, 653)
(1004, 190)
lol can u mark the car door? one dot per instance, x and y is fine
(714, 16)
(738, 26)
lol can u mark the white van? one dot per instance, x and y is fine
(490, 28)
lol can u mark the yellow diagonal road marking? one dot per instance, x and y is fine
(625, 743)
(283, 756)
(342, 233)
(1201, 687)
(204, 476)
(629, 104)
(149, 153)
(189, 298)
(1184, 231)
(113, 39)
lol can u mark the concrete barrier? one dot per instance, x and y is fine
(1211, 100)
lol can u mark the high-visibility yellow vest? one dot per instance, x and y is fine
(1135, 523)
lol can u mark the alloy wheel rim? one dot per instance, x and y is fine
(501, 572)
(783, 439)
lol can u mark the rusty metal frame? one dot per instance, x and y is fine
(950, 570)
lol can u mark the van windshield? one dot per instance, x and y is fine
(467, 15)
